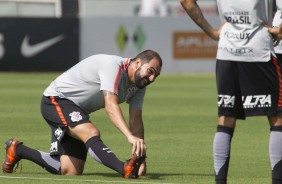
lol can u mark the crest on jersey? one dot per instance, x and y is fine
(130, 92)
(75, 116)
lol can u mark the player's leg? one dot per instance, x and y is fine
(67, 156)
(263, 97)
(222, 148)
(15, 151)
(90, 135)
(72, 155)
(229, 109)
(275, 146)
(275, 149)
(71, 165)
(71, 125)
(67, 121)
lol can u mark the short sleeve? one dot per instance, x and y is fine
(110, 74)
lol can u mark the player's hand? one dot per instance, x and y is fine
(276, 33)
(215, 34)
(138, 146)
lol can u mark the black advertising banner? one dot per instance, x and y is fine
(38, 44)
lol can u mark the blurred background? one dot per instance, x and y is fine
(53, 35)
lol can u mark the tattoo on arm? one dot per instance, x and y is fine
(196, 14)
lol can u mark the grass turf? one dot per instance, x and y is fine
(180, 121)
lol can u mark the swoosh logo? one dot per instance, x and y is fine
(107, 149)
(29, 50)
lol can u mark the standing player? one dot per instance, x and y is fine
(248, 75)
(278, 51)
(99, 81)
(276, 22)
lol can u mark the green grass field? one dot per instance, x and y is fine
(180, 117)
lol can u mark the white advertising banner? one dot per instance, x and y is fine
(181, 44)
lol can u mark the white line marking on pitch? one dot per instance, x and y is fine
(58, 179)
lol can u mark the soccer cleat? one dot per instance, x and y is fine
(11, 158)
(131, 167)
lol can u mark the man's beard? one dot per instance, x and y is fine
(139, 81)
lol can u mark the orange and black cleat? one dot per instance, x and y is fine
(11, 158)
(131, 167)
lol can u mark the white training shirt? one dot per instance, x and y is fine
(276, 22)
(243, 36)
(84, 82)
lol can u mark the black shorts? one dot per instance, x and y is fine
(279, 58)
(249, 88)
(60, 113)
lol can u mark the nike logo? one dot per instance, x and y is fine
(107, 149)
(29, 50)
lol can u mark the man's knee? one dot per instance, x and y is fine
(71, 166)
(84, 131)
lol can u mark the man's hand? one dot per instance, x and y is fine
(138, 145)
(276, 33)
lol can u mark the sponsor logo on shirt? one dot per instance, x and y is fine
(248, 52)
(226, 101)
(130, 92)
(240, 17)
(256, 101)
(237, 36)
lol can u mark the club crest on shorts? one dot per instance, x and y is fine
(58, 133)
(75, 116)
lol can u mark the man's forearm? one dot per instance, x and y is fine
(194, 11)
